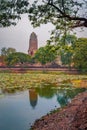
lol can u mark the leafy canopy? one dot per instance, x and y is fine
(67, 46)
(59, 11)
(17, 57)
(63, 14)
(80, 54)
(6, 51)
(46, 54)
(11, 10)
(72, 13)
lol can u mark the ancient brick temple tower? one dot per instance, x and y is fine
(33, 44)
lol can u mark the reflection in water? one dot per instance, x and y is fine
(17, 114)
(33, 97)
(0, 91)
(46, 91)
(62, 98)
(63, 95)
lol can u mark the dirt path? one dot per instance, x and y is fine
(72, 117)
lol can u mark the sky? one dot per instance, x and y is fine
(18, 36)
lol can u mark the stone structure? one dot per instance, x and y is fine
(33, 44)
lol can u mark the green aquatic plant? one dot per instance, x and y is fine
(12, 82)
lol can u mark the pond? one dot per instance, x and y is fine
(19, 110)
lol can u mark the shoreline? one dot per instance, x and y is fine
(71, 117)
(26, 69)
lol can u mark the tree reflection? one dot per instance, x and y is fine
(46, 91)
(64, 96)
(33, 97)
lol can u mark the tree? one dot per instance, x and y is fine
(80, 54)
(17, 57)
(6, 51)
(67, 46)
(66, 58)
(55, 11)
(58, 12)
(11, 10)
(10, 50)
(63, 14)
(46, 54)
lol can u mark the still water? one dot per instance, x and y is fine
(19, 110)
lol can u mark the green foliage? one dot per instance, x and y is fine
(12, 82)
(17, 57)
(66, 58)
(46, 90)
(68, 40)
(10, 11)
(46, 54)
(63, 14)
(45, 11)
(32, 60)
(67, 46)
(80, 54)
(6, 51)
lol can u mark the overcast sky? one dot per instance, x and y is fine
(18, 36)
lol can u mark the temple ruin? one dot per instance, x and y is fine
(33, 44)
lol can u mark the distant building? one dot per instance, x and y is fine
(33, 44)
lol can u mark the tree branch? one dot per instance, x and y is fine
(64, 15)
(63, 5)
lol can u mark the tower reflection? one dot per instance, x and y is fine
(33, 97)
